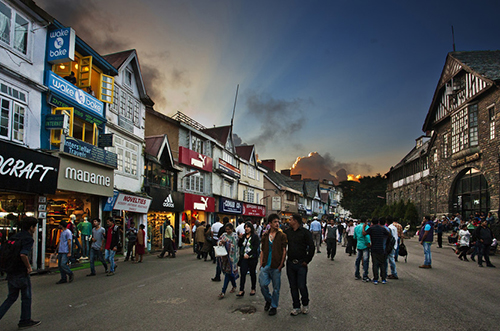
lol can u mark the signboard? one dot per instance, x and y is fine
(198, 202)
(467, 159)
(22, 169)
(87, 151)
(56, 122)
(109, 202)
(230, 206)
(58, 102)
(61, 45)
(194, 159)
(132, 203)
(84, 177)
(166, 200)
(228, 169)
(105, 140)
(254, 210)
(80, 98)
(276, 203)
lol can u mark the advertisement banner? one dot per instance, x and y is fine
(230, 206)
(254, 210)
(87, 151)
(110, 202)
(166, 200)
(228, 169)
(61, 45)
(22, 169)
(198, 202)
(132, 203)
(194, 159)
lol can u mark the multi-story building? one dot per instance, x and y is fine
(461, 156)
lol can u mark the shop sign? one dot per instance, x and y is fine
(57, 122)
(105, 140)
(276, 203)
(465, 160)
(61, 45)
(87, 151)
(132, 203)
(57, 102)
(229, 169)
(166, 200)
(254, 210)
(85, 177)
(109, 202)
(194, 159)
(22, 169)
(230, 206)
(198, 202)
(73, 93)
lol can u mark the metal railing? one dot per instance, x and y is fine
(181, 117)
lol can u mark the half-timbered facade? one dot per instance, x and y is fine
(463, 151)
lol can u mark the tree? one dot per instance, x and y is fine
(399, 210)
(362, 198)
(411, 214)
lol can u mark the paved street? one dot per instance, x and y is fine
(177, 294)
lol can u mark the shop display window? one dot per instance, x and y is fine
(155, 228)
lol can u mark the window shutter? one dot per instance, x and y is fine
(107, 88)
(85, 72)
(55, 135)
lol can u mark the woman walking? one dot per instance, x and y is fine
(463, 239)
(229, 263)
(248, 244)
(140, 245)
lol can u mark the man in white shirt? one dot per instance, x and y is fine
(215, 228)
(240, 229)
(390, 258)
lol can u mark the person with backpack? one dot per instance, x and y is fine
(111, 247)
(16, 263)
(132, 238)
(331, 239)
(391, 250)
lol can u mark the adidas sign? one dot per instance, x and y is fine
(169, 203)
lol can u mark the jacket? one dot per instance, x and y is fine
(280, 242)
(254, 246)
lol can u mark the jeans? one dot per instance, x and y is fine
(18, 283)
(297, 278)
(130, 249)
(316, 235)
(351, 247)
(483, 250)
(93, 254)
(391, 262)
(440, 239)
(475, 251)
(427, 253)
(378, 261)
(248, 265)
(110, 257)
(397, 250)
(62, 260)
(365, 255)
(167, 247)
(85, 246)
(265, 277)
(331, 247)
(227, 278)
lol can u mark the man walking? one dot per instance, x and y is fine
(272, 259)
(363, 245)
(316, 233)
(378, 237)
(391, 257)
(97, 247)
(300, 253)
(331, 238)
(64, 253)
(18, 270)
(112, 240)
(484, 238)
(167, 241)
(426, 235)
(200, 241)
(132, 239)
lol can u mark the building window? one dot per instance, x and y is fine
(196, 144)
(12, 113)
(228, 158)
(226, 190)
(115, 106)
(491, 113)
(195, 183)
(464, 129)
(128, 78)
(250, 195)
(445, 147)
(127, 156)
(251, 172)
(16, 37)
(290, 197)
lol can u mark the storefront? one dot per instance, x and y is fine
(229, 208)
(197, 208)
(254, 212)
(166, 205)
(26, 176)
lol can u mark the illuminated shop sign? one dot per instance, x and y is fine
(198, 202)
(230, 206)
(61, 45)
(194, 159)
(228, 169)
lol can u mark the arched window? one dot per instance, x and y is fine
(470, 193)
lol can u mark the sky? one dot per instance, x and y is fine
(330, 87)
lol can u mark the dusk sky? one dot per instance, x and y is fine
(350, 80)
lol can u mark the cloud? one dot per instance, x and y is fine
(238, 141)
(277, 119)
(316, 166)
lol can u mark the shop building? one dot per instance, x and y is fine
(456, 169)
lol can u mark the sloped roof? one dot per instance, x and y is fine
(324, 197)
(295, 184)
(279, 179)
(245, 152)
(414, 154)
(159, 147)
(153, 144)
(311, 188)
(220, 133)
(117, 59)
(484, 63)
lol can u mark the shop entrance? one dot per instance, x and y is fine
(470, 193)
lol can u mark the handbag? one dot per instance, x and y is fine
(220, 251)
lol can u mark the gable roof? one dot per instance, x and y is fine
(311, 188)
(117, 59)
(245, 152)
(219, 133)
(159, 148)
(414, 154)
(280, 180)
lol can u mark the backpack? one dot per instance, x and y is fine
(10, 258)
(403, 251)
(389, 245)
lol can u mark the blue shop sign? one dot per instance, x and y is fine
(61, 45)
(81, 98)
(230, 206)
(109, 203)
(87, 151)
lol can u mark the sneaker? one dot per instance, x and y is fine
(62, 281)
(305, 310)
(71, 277)
(375, 282)
(480, 265)
(215, 279)
(28, 324)
(392, 277)
(472, 258)
(384, 281)
(357, 277)
(367, 280)
(111, 273)
(295, 311)
(90, 275)
(267, 306)
(490, 266)
(272, 311)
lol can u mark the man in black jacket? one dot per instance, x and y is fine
(300, 253)
(484, 238)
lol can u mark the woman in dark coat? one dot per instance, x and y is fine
(249, 257)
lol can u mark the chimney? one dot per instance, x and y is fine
(271, 164)
(286, 172)
(297, 177)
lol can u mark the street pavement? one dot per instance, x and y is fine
(177, 294)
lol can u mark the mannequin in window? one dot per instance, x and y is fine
(71, 78)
